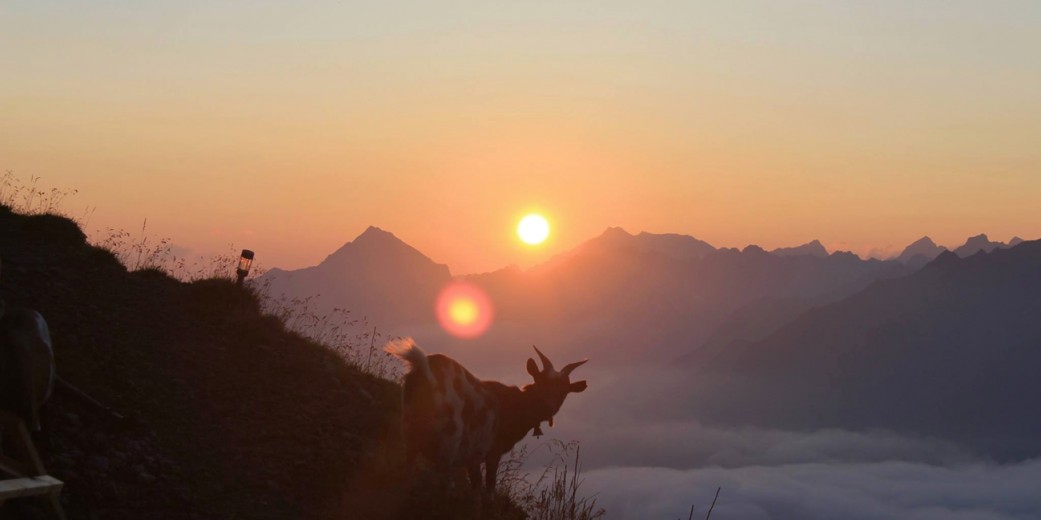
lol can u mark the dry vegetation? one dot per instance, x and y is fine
(554, 494)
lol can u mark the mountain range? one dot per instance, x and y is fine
(950, 351)
(933, 342)
(669, 292)
(924, 250)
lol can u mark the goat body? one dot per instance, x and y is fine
(455, 420)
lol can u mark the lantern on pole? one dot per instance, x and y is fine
(245, 262)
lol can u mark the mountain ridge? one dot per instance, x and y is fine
(920, 252)
(671, 289)
(674, 288)
(811, 248)
(859, 362)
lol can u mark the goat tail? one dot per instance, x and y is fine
(408, 351)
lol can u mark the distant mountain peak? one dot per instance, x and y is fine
(377, 274)
(615, 239)
(674, 245)
(612, 238)
(616, 231)
(372, 238)
(920, 251)
(848, 255)
(375, 242)
(978, 243)
(373, 232)
(924, 241)
(812, 248)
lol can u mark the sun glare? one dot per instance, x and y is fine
(533, 229)
(463, 310)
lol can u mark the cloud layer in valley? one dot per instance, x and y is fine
(823, 491)
(642, 467)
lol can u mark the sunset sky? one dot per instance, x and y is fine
(289, 127)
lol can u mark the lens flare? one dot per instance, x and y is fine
(463, 310)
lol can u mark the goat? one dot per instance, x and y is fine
(455, 420)
(26, 364)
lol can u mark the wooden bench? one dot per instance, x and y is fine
(22, 471)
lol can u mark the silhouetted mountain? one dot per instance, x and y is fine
(672, 245)
(920, 252)
(639, 304)
(925, 250)
(949, 351)
(756, 321)
(639, 297)
(976, 244)
(814, 248)
(376, 275)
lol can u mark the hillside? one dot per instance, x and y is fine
(228, 415)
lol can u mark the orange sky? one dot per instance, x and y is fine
(290, 129)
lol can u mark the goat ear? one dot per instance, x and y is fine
(577, 386)
(533, 369)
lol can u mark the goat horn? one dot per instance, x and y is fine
(571, 366)
(547, 365)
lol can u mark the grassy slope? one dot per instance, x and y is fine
(231, 416)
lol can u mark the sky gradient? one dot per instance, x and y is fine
(289, 128)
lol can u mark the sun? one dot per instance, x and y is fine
(533, 229)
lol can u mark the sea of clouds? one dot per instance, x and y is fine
(658, 470)
(644, 465)
(823, 491)
(645, 457)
